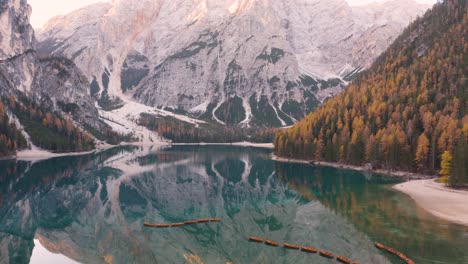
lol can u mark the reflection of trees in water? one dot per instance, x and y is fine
(377, 210)
(68, 202)
(45, 194)
(240, 187)
(87, 210)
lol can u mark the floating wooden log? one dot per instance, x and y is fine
(402, 256)
(395, 252)
(188, 222)
(291, 246)
(256, 239)
(343, 260)
(322, 253)
(309, 250)
(156, 225)
(326, 254)
(272, 243)
(379, 245)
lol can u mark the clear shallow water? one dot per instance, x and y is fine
(91, 209)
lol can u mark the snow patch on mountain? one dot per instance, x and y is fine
(125, 121)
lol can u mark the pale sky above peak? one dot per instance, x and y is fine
(43, 10)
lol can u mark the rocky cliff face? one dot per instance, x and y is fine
(248, 62)
(17, 63)
(55, 82)
(65, 85)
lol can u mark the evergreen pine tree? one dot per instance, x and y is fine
(459, 170)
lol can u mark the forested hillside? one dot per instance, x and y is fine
(182, 132)
(11, 138)
(403, 113)
(48, 129)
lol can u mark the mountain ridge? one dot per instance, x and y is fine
(247, 56)
(227, 63)
(44, 101)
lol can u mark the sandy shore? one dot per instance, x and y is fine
(401, 174)
(440, 201)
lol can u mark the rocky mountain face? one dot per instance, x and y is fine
(56, 84)
(60, 80)
(18, 64)
(243, 62)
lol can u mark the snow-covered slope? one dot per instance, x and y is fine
(258, 62)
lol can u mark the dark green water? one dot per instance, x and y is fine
(92, 208)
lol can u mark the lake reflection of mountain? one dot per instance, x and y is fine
(92, 208)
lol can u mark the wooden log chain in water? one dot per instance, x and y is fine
(394, 252)
(322, 253)
(189, 222)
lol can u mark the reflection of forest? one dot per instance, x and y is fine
(40, 194)
(91, 208)
(369, 203)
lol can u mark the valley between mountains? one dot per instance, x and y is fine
(315, 122)
(183, 71)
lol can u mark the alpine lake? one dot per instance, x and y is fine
(91, 209)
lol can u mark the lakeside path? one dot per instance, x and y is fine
(438, 200)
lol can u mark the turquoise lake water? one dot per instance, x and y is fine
(91, 209)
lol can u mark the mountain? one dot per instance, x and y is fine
(44, 101)
(17, 42)
(406, 112)
(244, 62)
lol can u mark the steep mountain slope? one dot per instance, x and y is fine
(17, 62)
(405, 111)
(43, 100)
(247, 62)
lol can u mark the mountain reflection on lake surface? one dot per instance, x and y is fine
(91, 209)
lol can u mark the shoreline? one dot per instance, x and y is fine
(438, 200)
(401, 174)
(37, 154)
(236, 144)
(435, 198)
